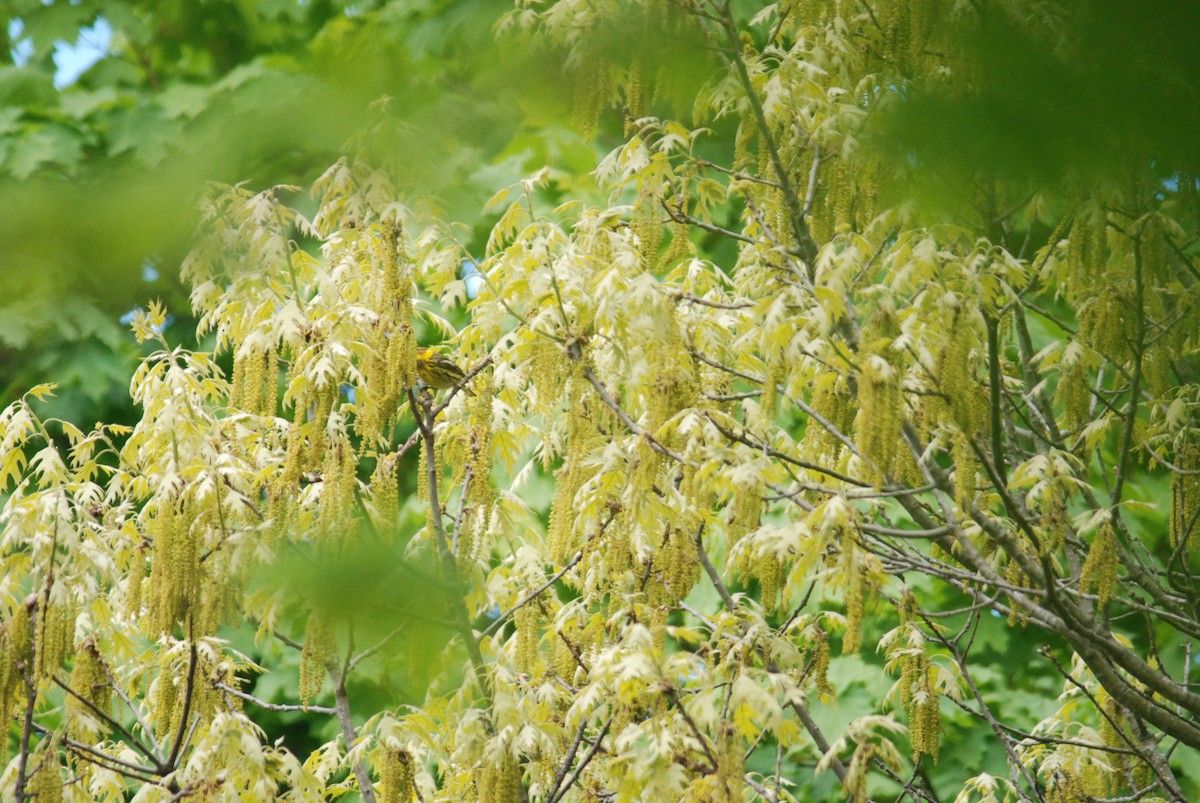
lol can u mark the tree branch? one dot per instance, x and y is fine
(241, 695)
(587, 757)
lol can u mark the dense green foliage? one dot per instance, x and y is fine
(795, 459)
(103, 178)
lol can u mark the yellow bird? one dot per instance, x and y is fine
(439, 371)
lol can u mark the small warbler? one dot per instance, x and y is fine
(439, 371)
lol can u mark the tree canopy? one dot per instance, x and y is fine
(827, 426)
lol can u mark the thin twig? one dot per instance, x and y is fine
(679, 216)
(532, 595)
(567, 761)
(587, 757)
(700, 737)
(137, 714)
(188, 693)
(308, 709)
(367, 653)
(113, 723)
(94, 756)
